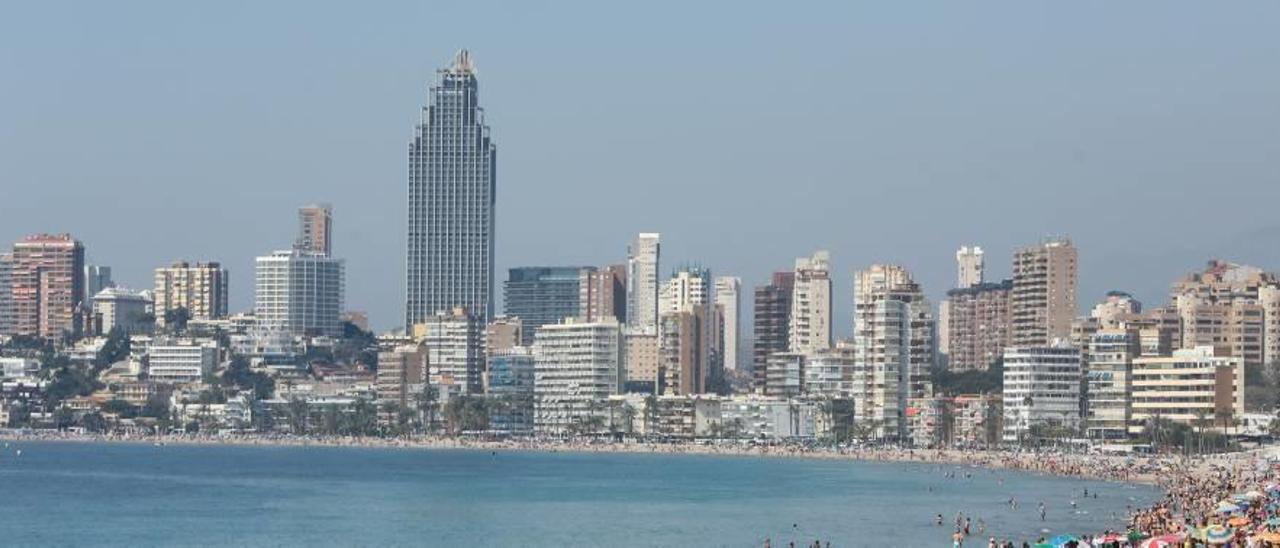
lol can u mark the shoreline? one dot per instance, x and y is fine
(1146, 471)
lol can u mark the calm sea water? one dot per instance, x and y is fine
(141, 495)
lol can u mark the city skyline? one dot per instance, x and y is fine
(1080, 152)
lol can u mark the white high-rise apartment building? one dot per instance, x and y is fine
(810, 327)
(454, 342)
(729, 301)
(1041, 388)
(969, 266)
(642, 283)
(577, 366)
(893, 338)
(200, 288)
(298, 293)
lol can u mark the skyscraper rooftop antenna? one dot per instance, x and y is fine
(462, 63)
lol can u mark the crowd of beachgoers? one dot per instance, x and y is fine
(1217, 500)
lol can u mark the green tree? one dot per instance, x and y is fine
(239, 375)
(175, 320)
(115, 349)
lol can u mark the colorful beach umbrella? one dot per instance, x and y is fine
(1227, 507)
(1217, 534)
(1164, 541)
(1239, 521)
(1062, 540)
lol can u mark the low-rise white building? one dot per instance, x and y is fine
(1041, 388)
(180, 362)
(769, 418)
(14, 368)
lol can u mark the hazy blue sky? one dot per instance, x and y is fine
(746, 134)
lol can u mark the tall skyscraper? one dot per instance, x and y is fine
(1044, 293)
(47, 285)
(452, 164)
(299, 293)
(315, 229)
(728, 302)
(969, 266)
(772, 318)
(604, 294)
(893, 331)
(810, 329)
(542, 295)
(642, 283)
(200, 288)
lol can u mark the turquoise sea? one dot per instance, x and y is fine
(100, 494)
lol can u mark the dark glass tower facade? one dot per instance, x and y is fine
(451, 201)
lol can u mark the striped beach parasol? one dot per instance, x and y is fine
(1218, 534)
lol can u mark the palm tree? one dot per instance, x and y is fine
(426, 403)
(298, 411)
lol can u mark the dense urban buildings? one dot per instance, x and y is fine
(541, 295)
(1233, 308)
(454, 342)
(810, 326)
(643, 283)
(315, 229)
(452, 164)
(299, 293)
(46, 285)
(1043, 302)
